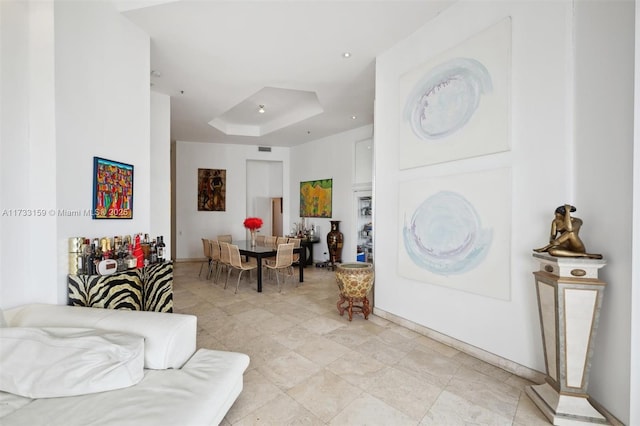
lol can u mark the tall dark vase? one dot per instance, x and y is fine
(334, 243)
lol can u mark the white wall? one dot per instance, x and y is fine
(604, 181)
(191, 224)
(330, 157)
(77, 87)
(634, 393)
(27, 154)
(103, 110)
(543, 162)
(160, 184)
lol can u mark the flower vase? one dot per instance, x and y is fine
(253, 238)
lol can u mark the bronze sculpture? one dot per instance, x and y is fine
(564, 240)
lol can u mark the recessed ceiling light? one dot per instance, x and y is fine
(261, 109)
(346, 55)
(353, 117)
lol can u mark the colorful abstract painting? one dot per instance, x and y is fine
(457, 104)
(455, 232)
(315, 198)
(112, 189)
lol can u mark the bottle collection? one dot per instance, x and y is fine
(104, 256)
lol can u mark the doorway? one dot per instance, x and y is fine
(276, 216)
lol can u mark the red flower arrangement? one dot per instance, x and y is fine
(252, 223)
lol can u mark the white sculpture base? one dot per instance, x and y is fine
(569, 300)
(564, 409)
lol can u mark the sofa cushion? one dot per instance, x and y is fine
(170, 339)
(55, 362)
(198, 394)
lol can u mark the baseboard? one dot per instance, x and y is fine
(488, 357)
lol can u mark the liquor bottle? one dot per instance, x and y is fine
(130, 261)
(153, 258)
(138, 253)
(120, 255)
(161, 249)
(91, 262)
(86, 249)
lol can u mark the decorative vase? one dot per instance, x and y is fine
(253, 237)
(334, 242)
(354, 282)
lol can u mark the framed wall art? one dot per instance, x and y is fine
(455, 232)
(212, 190)
(112, 189)
(315, 198)
(457, 104)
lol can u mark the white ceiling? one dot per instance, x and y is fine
(219, 60)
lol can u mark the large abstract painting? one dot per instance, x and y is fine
(315, 198)
(455, 232)
(212, 190)
(457, 104)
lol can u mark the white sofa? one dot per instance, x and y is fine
(178, 386)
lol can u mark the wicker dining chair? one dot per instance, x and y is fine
(270, 240)
(296, 244)
(284, 258)
(214, 248)
(225, 260)
(206, 250)
(236, 262)
(226, 238)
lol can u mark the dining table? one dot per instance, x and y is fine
(260, 252)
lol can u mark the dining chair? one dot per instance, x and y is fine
(206, 249)
(260, 240)
(236, 262)
(281, 240)
(225, 260)
(284, 258)
(270, 240)
(214, 248)
(226, 238)
(296, 244)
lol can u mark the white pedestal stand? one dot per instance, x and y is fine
(569, 300)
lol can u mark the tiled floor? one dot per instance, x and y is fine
(311, 366)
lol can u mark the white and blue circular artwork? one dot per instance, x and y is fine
(446, 98)
(445, 235)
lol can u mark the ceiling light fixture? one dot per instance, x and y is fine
(261, 109)
(353, 117)
(346, 55)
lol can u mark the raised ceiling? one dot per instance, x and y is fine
(220, 60)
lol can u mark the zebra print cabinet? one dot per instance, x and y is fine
(146, 289)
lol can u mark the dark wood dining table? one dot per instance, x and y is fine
(262, 252)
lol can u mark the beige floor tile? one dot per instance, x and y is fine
(324, 394)
(283, 410)
(433, 367)
(452, 410)
(258, 391)
(403, 391)
(370, 411)
(321, 350)
(289, 370)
